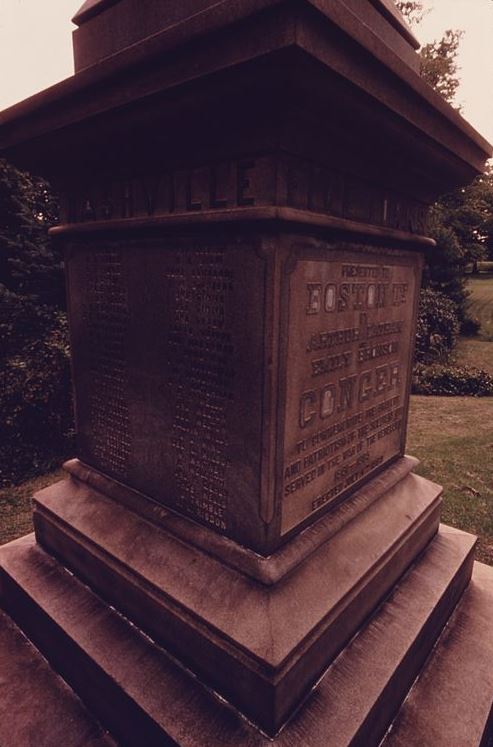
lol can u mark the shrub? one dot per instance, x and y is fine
(470, 326)
(452, 381)
(438, 327)
(35, 392)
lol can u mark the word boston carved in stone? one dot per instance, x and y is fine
(241, 553)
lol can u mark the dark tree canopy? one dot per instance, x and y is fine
(35, 395)
(30, 265)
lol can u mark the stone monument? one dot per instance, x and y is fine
(241, 551)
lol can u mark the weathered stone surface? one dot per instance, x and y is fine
(230, 630)
(145, 698)
(36, 705)
(451, 702)
(267, 570)
(108, 26)
(401, 136)
(248, 402)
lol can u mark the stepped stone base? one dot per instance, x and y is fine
(261, 646)
(37, 707)
(418, 671)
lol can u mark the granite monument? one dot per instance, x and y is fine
(244, 191)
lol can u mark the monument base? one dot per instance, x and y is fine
(167, 643)
(145, 697)
(261, 646)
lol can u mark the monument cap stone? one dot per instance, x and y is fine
(107, 26)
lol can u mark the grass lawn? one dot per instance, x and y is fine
(480, 302)
(478, 351)
(453, 438)
(15, 506)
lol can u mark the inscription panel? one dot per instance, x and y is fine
(168, 353)
(104, 311)
(249, 182)
(201, 373)
(351, 325)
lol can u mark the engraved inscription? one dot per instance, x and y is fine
(348, 362)
(268, 180)
(201, 374)
(240, 183)
(105, 315)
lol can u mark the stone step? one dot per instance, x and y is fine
(450, 705)
(145, 697)
(229, 629)
(36, 706)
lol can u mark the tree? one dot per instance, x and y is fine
(30, 264)
(439, 64)
(35, 394)
(412, 10)
(439, 58)
(462, 225)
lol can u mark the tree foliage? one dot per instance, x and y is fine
(439, 64)
(462, 225)
(35, 393)
(30, 264)
(438, 58)
(437, 327)
(412, 10)
(461, 222)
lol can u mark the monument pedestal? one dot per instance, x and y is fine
(143, 608)
(241, 554)
(261, 647)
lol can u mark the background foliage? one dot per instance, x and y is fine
(35, 401)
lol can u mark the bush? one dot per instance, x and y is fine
(438, 327)
(452, 381)
(470, 326)
(35, 392)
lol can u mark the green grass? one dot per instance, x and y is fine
(474, 352)
(480, 303)
(15, 506)
(453, 436)
(453, 439)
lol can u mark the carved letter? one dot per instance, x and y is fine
(244, 183)
(307, 416)
(327, 401)
(314, 298)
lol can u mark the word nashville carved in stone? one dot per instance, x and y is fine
(249, 182)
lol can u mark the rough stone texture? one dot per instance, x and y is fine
(143, 696)
(227, 628)
(404, 135)
(269, 570)
(36, 705)
(210, 377)
(108, 26)
(452, 700)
